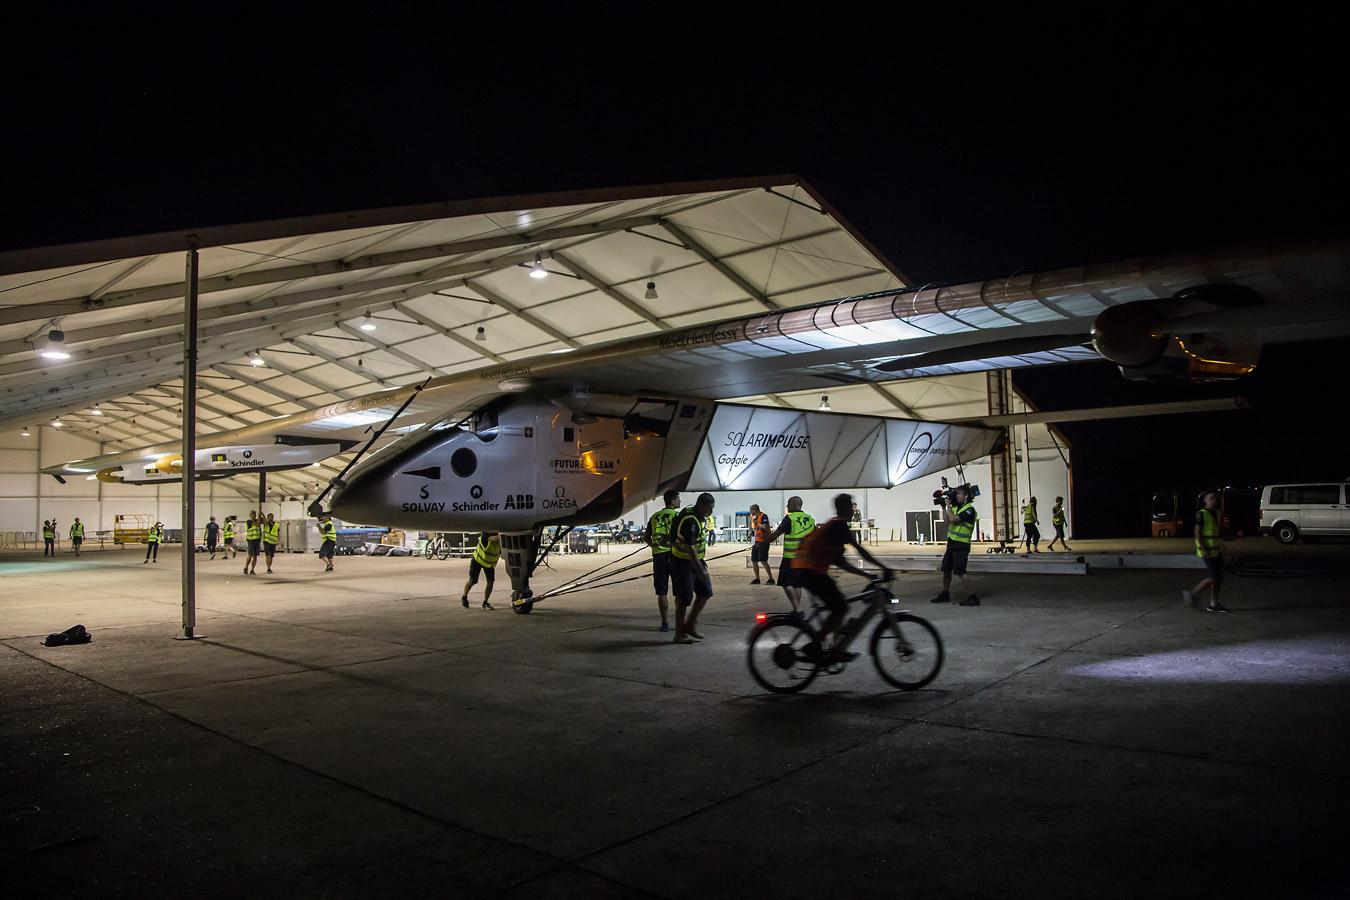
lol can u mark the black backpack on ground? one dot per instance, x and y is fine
(76, 634)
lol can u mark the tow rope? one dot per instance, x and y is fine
(577, 585)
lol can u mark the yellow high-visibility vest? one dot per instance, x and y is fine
(958, 530)
(1207, 543)
(679, 547)
(272, 533)
(660, 523)
(252, 532)
(800, 525)
(487, 554)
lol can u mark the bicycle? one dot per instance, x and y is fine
(785, 652)
(437, 548)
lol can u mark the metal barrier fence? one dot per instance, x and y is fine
(19, 540)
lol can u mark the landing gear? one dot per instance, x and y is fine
(521, 550)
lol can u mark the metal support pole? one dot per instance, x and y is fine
(262, 491)
(190, 448)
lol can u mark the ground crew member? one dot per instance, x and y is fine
(688, 571)
(48, 538)
(229, 538)
(76, 535)
(796, 525)
(759, 550)
(253, 534)
(484, 561)
(960, 517)
(1057, 519)
(152, 539)
(212, 536)
(657, 536)
(1032, 534)
(1210, 551)
(711, 523)
(271, 536)
(327, 531)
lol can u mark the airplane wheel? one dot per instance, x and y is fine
(522, 607)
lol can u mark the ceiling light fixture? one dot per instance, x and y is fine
(95, 411)
(537, 270)
(651, 291)
(367, 324)
(255, 359)
(824, 403)
(57, 423)
(481, 336)
(25, 432)
(56, 345)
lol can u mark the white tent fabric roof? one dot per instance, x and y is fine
(713, 252)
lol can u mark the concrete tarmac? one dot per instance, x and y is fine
(361, 734)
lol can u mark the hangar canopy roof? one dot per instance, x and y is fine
(448, 288)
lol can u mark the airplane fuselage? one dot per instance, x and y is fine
(526, 463)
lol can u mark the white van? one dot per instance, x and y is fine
(1290, 510)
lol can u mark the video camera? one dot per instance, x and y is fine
(948, 494)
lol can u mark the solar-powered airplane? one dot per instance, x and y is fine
(581, 437)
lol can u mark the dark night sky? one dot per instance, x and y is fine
(960, 155)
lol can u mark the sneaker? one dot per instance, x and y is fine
(665, 627)
(1187, 598)
(487, 605)
(692, 633)
(1216, 607)
(681, 638)
(756, 581)
(269, 571)
(464, 601)
(972, 600)
(770, 581)
(144, 561)
(943, 597)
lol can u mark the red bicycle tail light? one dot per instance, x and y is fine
(760, 617)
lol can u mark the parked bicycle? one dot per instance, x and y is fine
(437, 548)
(785, 651)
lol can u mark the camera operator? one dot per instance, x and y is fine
(959, 514)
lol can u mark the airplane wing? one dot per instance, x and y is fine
(1032, 319)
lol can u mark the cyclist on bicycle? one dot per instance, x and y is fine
(823, 548)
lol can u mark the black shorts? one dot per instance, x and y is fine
(954, 560)
(269, 550)
(229, 542)
(77, 541)
(1033, 533)
(760, 552)
(488, 572)
(786, 577)
(326, 549)
(210, 544)
(1214, 565)
(661, 574)
(824, 588)
(253, 546)
(1059, 532)
(690, 579)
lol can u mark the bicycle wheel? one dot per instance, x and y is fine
(443, 550)
(907, 651)
(429, 551)
(778, 654)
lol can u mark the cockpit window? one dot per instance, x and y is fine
(649, 417)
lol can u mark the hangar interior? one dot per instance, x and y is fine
(300, 314)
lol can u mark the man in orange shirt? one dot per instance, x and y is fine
(759, 550)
